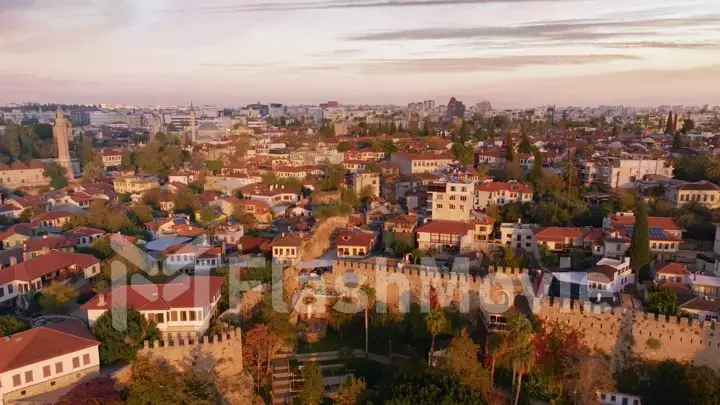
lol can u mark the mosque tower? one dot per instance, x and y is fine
(193, 124)
(62, 132)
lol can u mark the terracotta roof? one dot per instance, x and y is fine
(670, 268)
(182, 292)
(355, 238)
(47, 216)
(447, 227)
(204, 251)
(701, 304)
(287, 240)
(50, 242)
(699, 186)
(252, 244)
(44, 265)
(188, 230)
(24, 229)
(405, 221)
(594, 236)
(653, 222)
(44, 343)
(556, 233)
(83, 231)
(607, 273)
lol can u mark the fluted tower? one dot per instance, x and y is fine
(193, 124)
(62, 131)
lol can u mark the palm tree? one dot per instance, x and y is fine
(523, 360)
(495, 347)
(435, 323)
(519, 333)
(571, 171)
(712, 169)
(370, 294)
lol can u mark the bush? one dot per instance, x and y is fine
(653, 344)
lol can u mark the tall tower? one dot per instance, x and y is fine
(193, 124)
(62, 131)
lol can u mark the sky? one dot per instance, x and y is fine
(515, 53)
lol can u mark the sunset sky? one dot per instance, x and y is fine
(232, 52)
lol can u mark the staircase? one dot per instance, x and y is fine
(282, 381)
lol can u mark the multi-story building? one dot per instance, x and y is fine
(452, 200)
(400, 229)
(21, 174)
(355, 244)
(45, 359)
(419, 163)
(621, 172)
(369, 181)
(487, 194)
(517, 235)
(135, 185)
(111, 158)
(702, 192)
(446, 236)
(186, 304)
(190, 258)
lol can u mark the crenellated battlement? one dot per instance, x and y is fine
(190, 339)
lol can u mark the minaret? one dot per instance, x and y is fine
(193, 124)
(62, 131)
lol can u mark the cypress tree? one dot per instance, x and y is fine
(669, 129)
(639, 251)
(677, 141)
(509, 153)
(537, 174)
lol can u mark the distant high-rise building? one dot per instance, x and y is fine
(429, 105)
(455, 108)
(62, 131)
(330, 104)
(193, 123)
(483, 107)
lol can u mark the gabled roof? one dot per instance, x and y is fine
(355, 238)
(557, 233)
(50, 215)
(447, 227)
(44, 343)
(182, 292)
(288, 240)
(670, 269)
(48, 241)
(653, 222)
(44, 265)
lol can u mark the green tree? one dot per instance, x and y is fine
(121, 332)
(9, 325)
(462, 361)
(712, 169)
(344, 146)
(185, 201)
(143, 212)
(92, 171)
(496, 347)
(338, 319)
(570, 171)
(639, 251)
(56, 174)
(688, 126)
(57, 297)
(154, 382)
(661, 300)
(522, 360)
(464, 154)
(313, 389)
(207, 214)
(388, 146)
(525, 145)
(537, 170)
(669, 128)
(430, 388)
(351, 392)
(509, 153)
(215, 166)
(11, 142)
(435, 323)
(678, 140)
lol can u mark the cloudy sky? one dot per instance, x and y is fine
(512, 52)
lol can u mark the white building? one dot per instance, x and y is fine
(452, 200)
(186, 304)
(624, 173)
(517, 235)
(47, 358)
(100, 118)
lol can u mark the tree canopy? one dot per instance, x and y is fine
(121, 332)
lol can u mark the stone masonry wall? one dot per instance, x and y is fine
(320, 238)
(619, 333)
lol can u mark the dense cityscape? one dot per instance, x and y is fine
(434, 252)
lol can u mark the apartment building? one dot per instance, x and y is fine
(451, 201)
(371, 181)
(487, 194)
(517, 235)
(185, 304)
(400, 229)
(45, 359)
(111, 158)
(419, 163)
(135, 185)
(701, 192)
(622, 172)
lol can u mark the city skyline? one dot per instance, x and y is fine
(516, 53)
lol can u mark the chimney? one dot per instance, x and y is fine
(45, 250)
(13, 260)
(101, 299)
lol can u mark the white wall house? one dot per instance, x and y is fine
(186, 304)
(44, 359)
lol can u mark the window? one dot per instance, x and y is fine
(76, 362)
(174, 316)
(452, 206)
(636, 402)
(439, 206)
(10, 289)
(86, 359)
(603, 396)
(28, 376)
(2, 291)
(192, 315)
(183, 316)
(58, 367)
(46, 371)
(625, 401)
(612, 398)
(16, 380)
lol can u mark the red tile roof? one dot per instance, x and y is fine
(182, 292)
(44, 343)
(287, 240)
(671, 268)
(47, 216)
(44, 265)
(355, 238)
(51, 242)
(653, 222)
(557, 234)
(446, 227)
